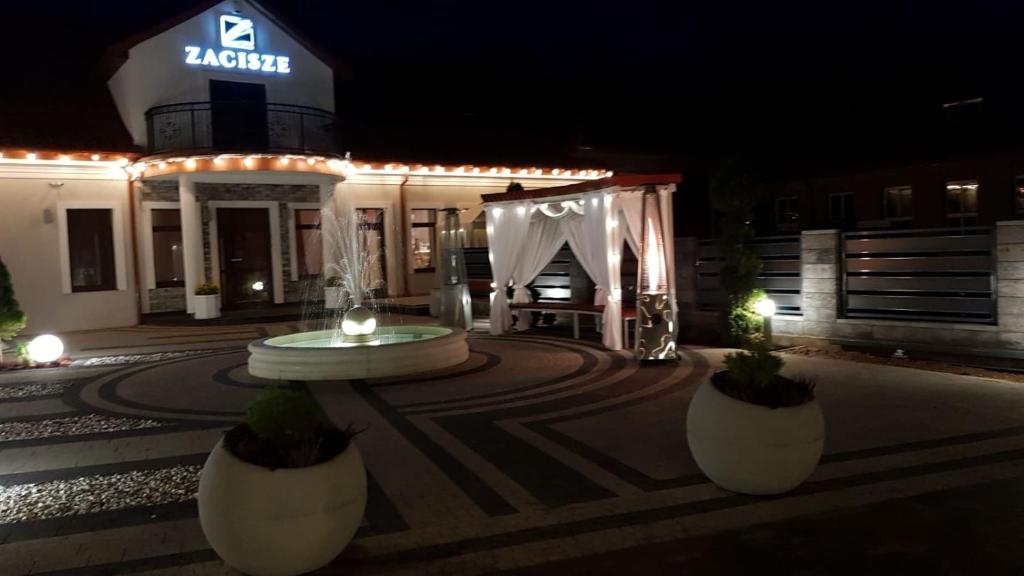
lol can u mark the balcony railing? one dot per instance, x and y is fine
(198, 127)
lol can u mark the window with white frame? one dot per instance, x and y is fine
(308, 242)
(91, 257)
(898, 203)
(962, 203)
(787, 213)
(424, 231)
(168, 257)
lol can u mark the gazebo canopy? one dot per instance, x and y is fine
(526, 228)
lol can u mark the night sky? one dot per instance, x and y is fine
(633, 85)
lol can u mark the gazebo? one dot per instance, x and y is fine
(526, 228)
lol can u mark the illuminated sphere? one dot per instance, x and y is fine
(358, 324)
(765, 307)
(46, 348)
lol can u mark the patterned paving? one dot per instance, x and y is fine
(537, 450)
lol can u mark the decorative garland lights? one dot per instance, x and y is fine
(289, 163)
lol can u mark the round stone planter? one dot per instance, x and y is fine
(753, 449)
(280, 522)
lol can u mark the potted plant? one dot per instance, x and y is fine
(334, 294)
(283, 492)
(207, 303)
(752, 430)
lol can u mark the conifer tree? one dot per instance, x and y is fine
(12, 319)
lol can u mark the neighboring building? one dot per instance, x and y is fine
(224, 153)
(944, 194)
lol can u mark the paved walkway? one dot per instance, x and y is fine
(539, 453)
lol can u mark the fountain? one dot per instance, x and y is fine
(353, 345)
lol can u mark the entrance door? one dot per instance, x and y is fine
(238, 115)
(246, 276)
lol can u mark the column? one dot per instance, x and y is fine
(327, 190)
(820, 281)
(191, 239)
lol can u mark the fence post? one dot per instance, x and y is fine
(1009, 267)
(686, 277)
(820, 279)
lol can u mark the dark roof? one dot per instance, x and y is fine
(623, 180)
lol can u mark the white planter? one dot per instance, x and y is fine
(753, 449)
(280, 522)
(333, 297)
(207, 307)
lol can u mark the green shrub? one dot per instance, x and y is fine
(753, 376)
(12, 319)
(285, 428)
(207, 289)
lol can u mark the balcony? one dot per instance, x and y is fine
(239, 127)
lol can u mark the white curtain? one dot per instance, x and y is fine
(543, 240)
(596, 240)
(630, 207)
(507, 227)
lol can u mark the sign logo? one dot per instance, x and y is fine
(237, 32)
(238, 45)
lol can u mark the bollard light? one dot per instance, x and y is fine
(765, 307)
(45, 349)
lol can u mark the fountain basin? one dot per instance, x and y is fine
(399, 351)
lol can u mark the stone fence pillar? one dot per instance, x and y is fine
(1010, 279)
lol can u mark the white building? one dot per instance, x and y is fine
(231, 116)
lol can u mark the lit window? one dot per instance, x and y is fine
(840, 209)
(898, 203)
(962, 203)
(424, 230)
(91, 249)
(371, 237)
(308, 247)
(168, 260)
(787, 213)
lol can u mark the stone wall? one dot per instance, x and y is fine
(167, 300)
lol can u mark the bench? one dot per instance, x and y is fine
(628, 314)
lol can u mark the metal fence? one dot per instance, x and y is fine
(780, 275)
(239, 126)
(938, 275)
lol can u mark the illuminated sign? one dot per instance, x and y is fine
(238, 42)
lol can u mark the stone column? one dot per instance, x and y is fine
(327, 190)
(1009, 266)
(820, 281)
(191, 239)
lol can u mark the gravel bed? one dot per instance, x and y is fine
(30, 390)
(920, 364)
(137, 358)
(23, 502)
(71, 426)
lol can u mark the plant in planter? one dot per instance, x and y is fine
(12, 319)
(753, 430)
(207, 303)
(334, 292)
(283, 492)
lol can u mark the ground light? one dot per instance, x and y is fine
(45, 349)
(766, 308)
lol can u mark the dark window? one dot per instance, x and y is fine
(308, 245)
(840, 209)
(168, 260)
(424, 230)
(898, 203)
(371, 236)
(91, 249)
(962, 203)
(787, 213)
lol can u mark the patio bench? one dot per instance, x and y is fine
(628, 314)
